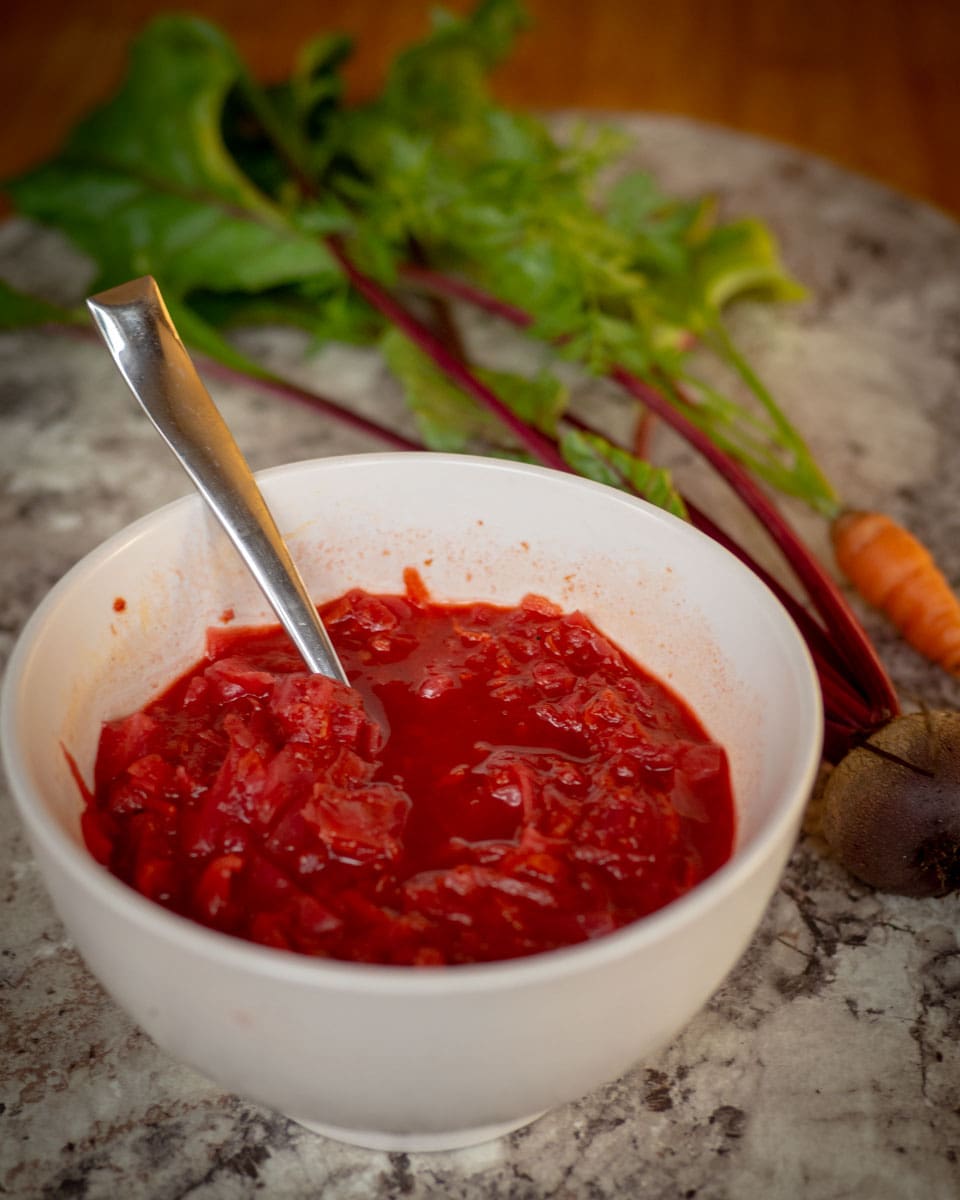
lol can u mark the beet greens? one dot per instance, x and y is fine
(286, 205)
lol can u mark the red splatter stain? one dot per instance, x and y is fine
(227, 616)
(119, 604)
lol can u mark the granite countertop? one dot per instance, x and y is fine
(828, 1064)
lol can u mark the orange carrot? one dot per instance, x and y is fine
(896, 574)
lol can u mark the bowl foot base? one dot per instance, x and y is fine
(452, 1139)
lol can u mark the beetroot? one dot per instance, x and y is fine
(892, 806)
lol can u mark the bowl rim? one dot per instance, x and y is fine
(287, 965)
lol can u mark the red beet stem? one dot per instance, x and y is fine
(843, 703)
(322, 404)
(643, 434)
(460, 289)
(844, 707)
(540, 446)
(280, 387)
(844, 630)
(812, 630)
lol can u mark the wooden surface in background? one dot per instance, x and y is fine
(871, 84)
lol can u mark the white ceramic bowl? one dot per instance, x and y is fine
(396, 1057)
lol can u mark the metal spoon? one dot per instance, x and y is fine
(140, 335)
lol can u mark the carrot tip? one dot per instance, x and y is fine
(893, 571)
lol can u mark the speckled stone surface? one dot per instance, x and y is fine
(827, 1067)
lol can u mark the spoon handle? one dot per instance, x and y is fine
(140, 335)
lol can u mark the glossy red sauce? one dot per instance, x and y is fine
(522, 786)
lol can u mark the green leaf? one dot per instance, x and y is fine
(540, 400)
(742, 258)
(450, 420)
(329, 315)
(444, 75)
(633, 200)
(316, 87)
(662, 231)
(446, 418)
(146, 185)
(594, 457)
(225, 191)
(293, 135)
(18, 310)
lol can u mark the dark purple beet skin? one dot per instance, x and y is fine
(892, 806)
